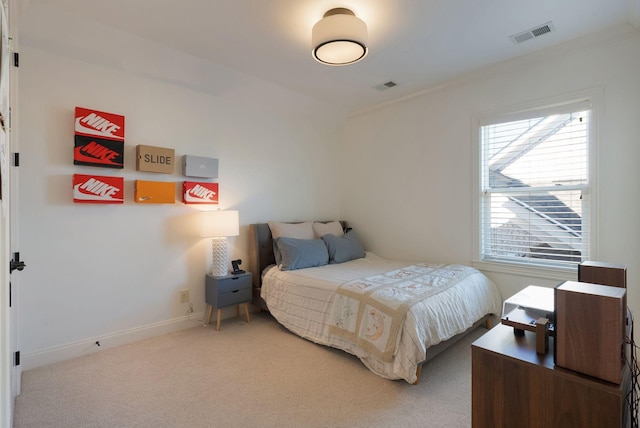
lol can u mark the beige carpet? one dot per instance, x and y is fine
(245, 375)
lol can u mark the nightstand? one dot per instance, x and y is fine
(228, 290)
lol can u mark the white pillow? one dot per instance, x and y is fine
(291, 230)
(331, 228)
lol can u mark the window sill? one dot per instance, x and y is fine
(527, 270)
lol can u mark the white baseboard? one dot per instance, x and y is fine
(89, 346)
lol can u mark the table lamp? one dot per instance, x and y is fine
(218, 225)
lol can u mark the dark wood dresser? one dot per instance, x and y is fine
(513, 386)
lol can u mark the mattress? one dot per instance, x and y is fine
(302, 301)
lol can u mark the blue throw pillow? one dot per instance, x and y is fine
(344, 248)
(301, 253)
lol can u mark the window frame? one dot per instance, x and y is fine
(522, 111)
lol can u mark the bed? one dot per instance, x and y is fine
(393, 315)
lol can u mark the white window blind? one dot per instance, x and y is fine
(535, 187)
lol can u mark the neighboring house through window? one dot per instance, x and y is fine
(535, 186)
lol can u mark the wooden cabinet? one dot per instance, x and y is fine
(603, 273)
(513, 386)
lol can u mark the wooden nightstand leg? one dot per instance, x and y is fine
(207, 317)
(218, 325)
(488, 323)
(246, 312)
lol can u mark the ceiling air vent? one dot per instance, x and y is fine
(386, 85)
(532, 33)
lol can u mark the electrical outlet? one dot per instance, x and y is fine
(184, 296)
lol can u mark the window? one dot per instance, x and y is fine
(534, 175)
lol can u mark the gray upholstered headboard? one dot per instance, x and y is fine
(261, 256)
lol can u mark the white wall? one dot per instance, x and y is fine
(407, 175)
(113, 273)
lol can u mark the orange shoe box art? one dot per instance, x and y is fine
(155, 192)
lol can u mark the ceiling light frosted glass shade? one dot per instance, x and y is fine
(339, 38)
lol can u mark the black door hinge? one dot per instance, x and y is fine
(16, 263)
(16, 159)
(16, 358)
(16, 59)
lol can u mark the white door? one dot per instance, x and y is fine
(9, 371)
(6, 345)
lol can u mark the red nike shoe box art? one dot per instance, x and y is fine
(93, 151)
(194, 192)
(99, 138)
(98, 189)
(94, 123)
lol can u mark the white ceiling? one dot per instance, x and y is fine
(414, 43)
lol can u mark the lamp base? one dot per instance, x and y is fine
(219, 253)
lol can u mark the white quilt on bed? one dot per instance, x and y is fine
(370, 311)
(302, 301)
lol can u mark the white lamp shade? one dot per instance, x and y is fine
(219, 224)
(339, 38)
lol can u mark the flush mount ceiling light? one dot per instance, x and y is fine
(339, 38)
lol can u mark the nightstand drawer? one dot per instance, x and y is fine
(234, 297)
(222, 291)
(234, 283)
